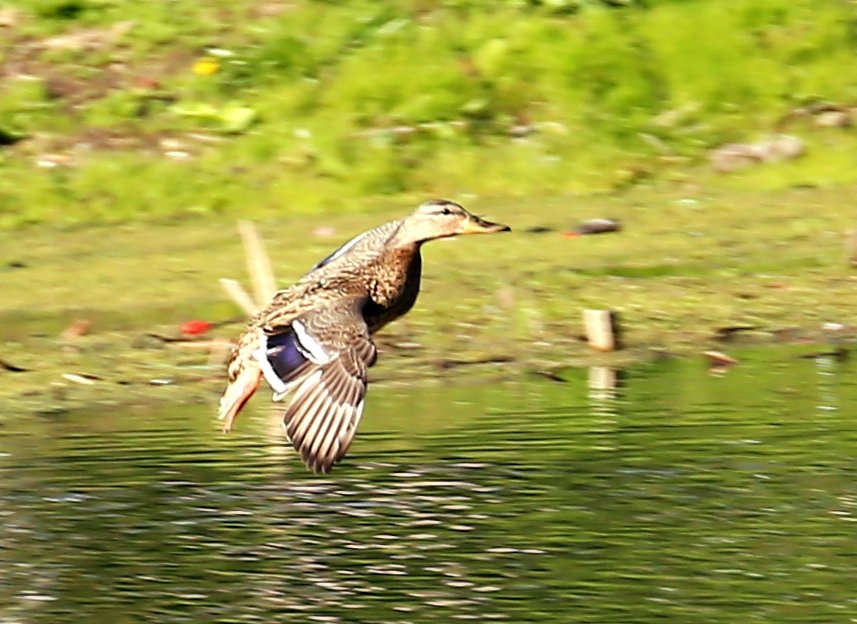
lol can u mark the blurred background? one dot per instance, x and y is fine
(116, 110)
(504, 470)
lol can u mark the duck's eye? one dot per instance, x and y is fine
(446, 211)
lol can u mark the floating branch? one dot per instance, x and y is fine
(258, 264)
(261, 273)
(717, 358)
(12, 368)
(239, 295)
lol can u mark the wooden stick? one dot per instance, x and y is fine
(258, 264)
(601, 329)
(239, 296)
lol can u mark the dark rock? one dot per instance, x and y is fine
(597, 226)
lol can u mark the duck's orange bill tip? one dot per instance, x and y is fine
(478, 225)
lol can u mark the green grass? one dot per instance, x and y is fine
(300, 115)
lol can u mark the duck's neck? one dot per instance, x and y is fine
(410, 234)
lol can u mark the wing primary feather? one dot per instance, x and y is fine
(322, 424)
(325, 438)
(308, 388)
(332, 442)
(348, 437)
(316, 420)
(330, 435)
(333, 383)
(307, 384)
(355, 391)
(299, 415)
(294, 414)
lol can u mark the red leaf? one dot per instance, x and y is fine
(195, 328)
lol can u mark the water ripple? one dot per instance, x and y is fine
(683, 497)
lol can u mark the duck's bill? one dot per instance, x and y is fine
(478, 225)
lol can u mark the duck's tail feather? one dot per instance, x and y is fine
(237, 393)
(280, 359)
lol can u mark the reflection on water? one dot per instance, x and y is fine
(673, 495)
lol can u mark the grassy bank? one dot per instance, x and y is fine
(688, 269)
(116, 111)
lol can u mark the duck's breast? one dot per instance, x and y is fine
(393, 289)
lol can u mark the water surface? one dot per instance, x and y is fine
(680, 496)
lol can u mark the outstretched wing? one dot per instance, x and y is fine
(320, 360)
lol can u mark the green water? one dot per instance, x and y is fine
(679, 496)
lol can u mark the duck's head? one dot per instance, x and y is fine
(441, 218)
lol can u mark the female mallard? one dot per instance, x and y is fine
(314, 339)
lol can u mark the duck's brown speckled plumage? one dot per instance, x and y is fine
(313, 340)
